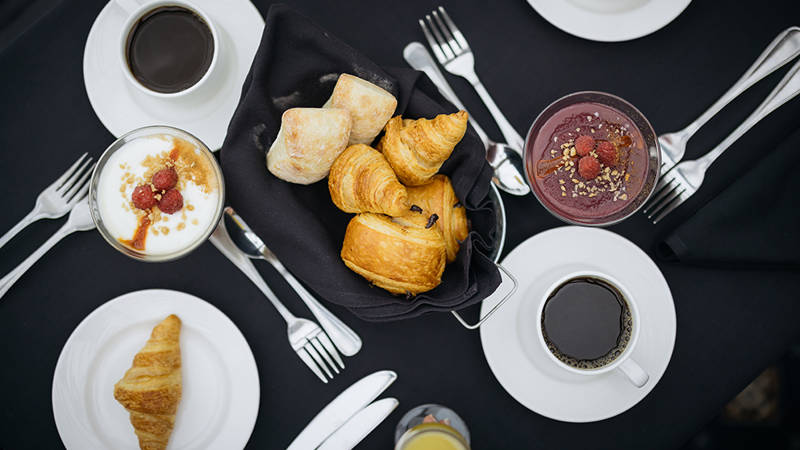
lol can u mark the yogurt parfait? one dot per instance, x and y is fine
(157, 193)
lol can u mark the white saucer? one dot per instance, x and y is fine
(509, 337)
(221, 393)
(609, 20)
(205, 112)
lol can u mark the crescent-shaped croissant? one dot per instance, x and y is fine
(404, 255)
(362, 181)
(438, 197)
(151, 389)
(416, 149)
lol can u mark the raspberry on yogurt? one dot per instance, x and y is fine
(171, 202)
(165, 179)
(143, 197)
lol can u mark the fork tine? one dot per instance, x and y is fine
(309, 347)
(446, 50)
(432, 42)
(678, 201)
(65, 175)
(455, 46)
(83, 181)
(665, 202)
(454, 29)
(301, 352)
(71, 180)
(659, 194)
(326, 342)
(325, 355)
(79, 196)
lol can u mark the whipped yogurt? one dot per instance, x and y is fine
(151, 231)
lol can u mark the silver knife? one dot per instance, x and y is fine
(360, 425)
(342, 408)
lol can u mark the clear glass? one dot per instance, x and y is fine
(450, 431)
(638, 119)
(116, 145)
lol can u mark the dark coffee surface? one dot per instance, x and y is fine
(586, 319)
(170, 49)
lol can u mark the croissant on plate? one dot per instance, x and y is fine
(404, 255)
(438, 197)
(362, 181)
(151, 389)
(416, 149)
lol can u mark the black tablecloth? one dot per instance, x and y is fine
(731, 324)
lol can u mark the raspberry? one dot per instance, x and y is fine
(171, 202)
(143, 197)
(607, 153)
(583, 145)
(588, 167)
(165, 179)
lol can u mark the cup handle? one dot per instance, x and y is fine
(130, 6)
(634, 372)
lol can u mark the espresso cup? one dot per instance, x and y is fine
(139, 9)
(623, 362)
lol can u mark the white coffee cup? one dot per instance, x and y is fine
(624, 363)
(136, 9)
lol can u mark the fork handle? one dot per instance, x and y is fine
(786, 90)
(780, 51)
(31, 217)
(509, 133)
(7, 281)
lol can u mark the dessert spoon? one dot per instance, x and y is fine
(345, 339)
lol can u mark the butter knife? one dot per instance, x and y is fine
(360, 425)
(341, 409)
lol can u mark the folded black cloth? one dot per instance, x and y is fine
(753, 222)
(297, 64)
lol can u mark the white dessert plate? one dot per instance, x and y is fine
(205, 113)
(609, 20)
(512, 348)
(221, 393)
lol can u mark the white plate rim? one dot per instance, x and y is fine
(667, 323)
(148, 294)
(619, 26)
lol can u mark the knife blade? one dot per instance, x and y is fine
(342, 408)
(360, 425)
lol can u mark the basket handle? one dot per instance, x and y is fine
(495, 307)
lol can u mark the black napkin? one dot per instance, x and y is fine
(753, 222)
(297, 64)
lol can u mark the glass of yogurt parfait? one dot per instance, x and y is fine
(592, 158)
(156, 193)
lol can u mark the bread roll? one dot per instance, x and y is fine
(308, 142)
(370, 106)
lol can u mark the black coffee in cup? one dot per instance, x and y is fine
(586, 323)
(169, 49)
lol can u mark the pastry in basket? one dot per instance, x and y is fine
(151, 388)
(362, 181)
(438, 197)
(416, 149)
(370, 106)
(404, 255)
(308, 142)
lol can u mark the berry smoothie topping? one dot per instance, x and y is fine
(583, 145)
(143, 197)
(607, 153)
(588, 167)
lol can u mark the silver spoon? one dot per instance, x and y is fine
(345, 339)
(504, 159)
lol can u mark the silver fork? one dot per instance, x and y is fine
(80, 219)
(780, 51)
(307, 339)
(685, 178)
(58, 198)
(453, 52)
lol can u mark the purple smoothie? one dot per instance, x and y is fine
(554, 164)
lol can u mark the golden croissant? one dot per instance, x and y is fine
(151, 389)
(404, 255)
(416, 149)
(362, 181)
(438, 197)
